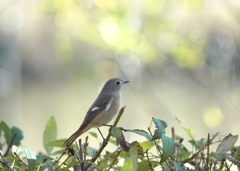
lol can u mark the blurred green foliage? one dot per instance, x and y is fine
(160, 152)
(146, 29)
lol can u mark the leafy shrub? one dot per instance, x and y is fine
(158, 152)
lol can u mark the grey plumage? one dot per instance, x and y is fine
(102, 111)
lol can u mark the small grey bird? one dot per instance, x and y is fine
(102, 111)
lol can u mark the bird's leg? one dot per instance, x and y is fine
(101, 134)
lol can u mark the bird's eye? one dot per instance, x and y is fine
(117, 82)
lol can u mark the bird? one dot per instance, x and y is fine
(102, 111)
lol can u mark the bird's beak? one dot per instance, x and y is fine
(125, 82)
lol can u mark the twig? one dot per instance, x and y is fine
(10, 144)
(4, 162)
(81, 153)
(194, 155)
(57, 159)
(20, 159)
(114, 160)
(149, 163)
(208, 146)
(156, 145)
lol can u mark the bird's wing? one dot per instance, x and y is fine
(100, 104)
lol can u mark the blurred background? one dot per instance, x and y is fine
(181, 58)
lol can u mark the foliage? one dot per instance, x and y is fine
(158, 152)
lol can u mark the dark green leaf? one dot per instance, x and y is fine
(142, 133)
(168, 147)
(19, 135)
(6, 130)
(178, 167)
(50, 134)
(44, 159)
(160, 125)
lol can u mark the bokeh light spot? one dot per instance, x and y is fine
(213, 117)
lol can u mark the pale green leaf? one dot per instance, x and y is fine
(147, 145)
(6, 130)
(22, 152)
(127, 166)
(50, 134)
(226, 144)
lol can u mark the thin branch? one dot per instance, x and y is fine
(208, 146)
(10, 144)
(20, 159)
(81, 153)
(114, 160)
(194, 155)
(149, 163)
(85, 148)
(4, 162)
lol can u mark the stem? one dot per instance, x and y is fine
(194, 155)
(4, 162)
(20, 159)
(149, 163)
(114, 160)
(10, 144)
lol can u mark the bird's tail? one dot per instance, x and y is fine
(67, 144)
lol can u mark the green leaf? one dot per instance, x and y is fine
(160, 125)
(127, 166)
(46, 167)
(19, 135)
(116, 132)
(197, 144)
(22, 152)
(142, 133)
(183, 154)
(6, 130)
(57, 143)
(226, 144)
(147, 145)
(133, 152)
(50, 134)
(168, 147)
(131, 162)
(94, 134)
(143, 165)
(178, 167)
(189, 132)
(44, 159)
